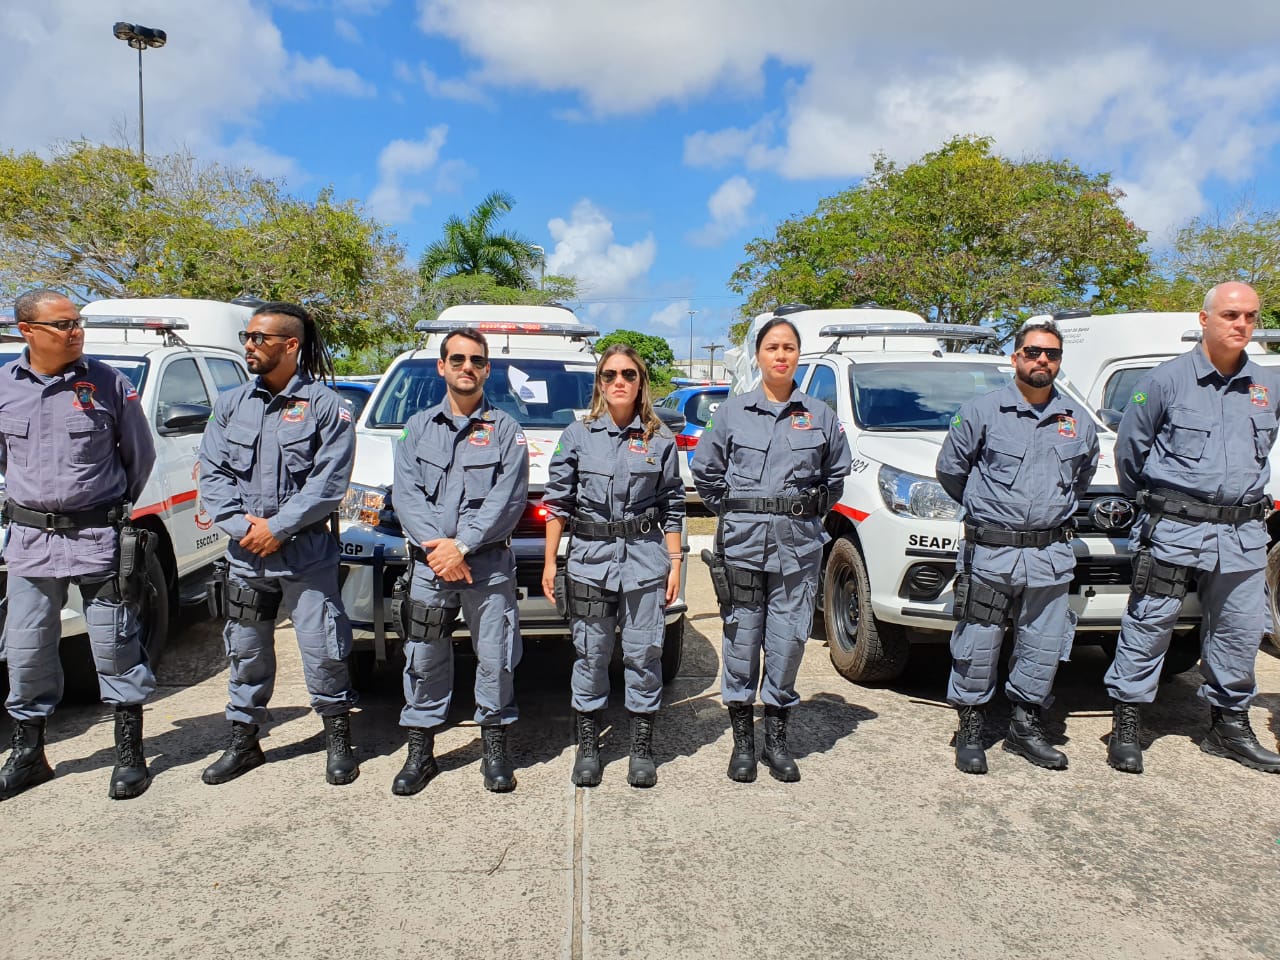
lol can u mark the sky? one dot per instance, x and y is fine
(647, 142)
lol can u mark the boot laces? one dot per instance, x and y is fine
(641, 732)
(971, 726)
(18, 743)
(1127, 723)
(495, 746)
(417, 747)
(1034, 722)
(777, 730)
(241, 737)
(339, 735)
(128, 749)
(588, 741)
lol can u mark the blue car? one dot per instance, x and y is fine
(356, 393)
(698, 404)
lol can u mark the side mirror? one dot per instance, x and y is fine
(1110, 418)
(183, 418)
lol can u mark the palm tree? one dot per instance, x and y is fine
(471, 247)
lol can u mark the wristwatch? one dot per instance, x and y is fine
(461, 547)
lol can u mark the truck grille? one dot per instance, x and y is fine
(1105, 512)
(1109, 572)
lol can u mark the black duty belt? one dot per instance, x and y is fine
(808, 505)
(1163, 503)
(647, 522)
(417, 553)
(75, 520)
(1000, 537)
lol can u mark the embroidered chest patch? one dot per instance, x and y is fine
(1066, 426)
(1257, 395)
(295, 412)
(636, 443)
(801, 421)
(481, 434)
(84, 391)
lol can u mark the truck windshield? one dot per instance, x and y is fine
(538, 393)
(918, 396)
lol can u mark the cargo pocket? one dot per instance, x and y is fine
(806, 450)
(1186, 434)
(92, 436)
(1068, 637)
(241, 443)
(1070, 454)
(295, 452)
(644, 480)
(1264, 435)
(337, 632)
(1003, 459)
(15, 431)
(746, 460)
(432, 465)
(595, 476)
(478, 478)
(962, 644)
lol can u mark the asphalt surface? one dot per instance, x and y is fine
(882, 850)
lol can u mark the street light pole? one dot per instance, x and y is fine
(691, 313)
(140, 37)
(713, 347)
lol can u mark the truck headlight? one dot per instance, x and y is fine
(363, 504)
(911, 495)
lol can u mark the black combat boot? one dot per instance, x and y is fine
(641, 771)
(342, 766)
(499, 775)
(971, 756)
(131, 777)
(26, 766)
(742, 762)
(419, 766)
(241, 756)
(1124, 752)
(1231, 736)
(775, 753)
(586, 763)
(1026, 738)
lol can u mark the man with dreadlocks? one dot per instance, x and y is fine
(274, 464)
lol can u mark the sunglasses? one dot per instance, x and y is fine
(478, 362)
(258, 338)
(61, 325)
(1054, 354)
(631, 375)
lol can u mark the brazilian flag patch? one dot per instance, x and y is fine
(956, 420)
(1139, 397)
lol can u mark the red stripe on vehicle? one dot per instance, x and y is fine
(164, 505)
(857, 515)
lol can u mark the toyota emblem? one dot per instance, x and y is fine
(1112, 514)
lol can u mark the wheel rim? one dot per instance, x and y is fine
(848, 610)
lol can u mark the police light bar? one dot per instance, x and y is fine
(110, 322)
(1259, 336)
(508, 327)
(937, 331)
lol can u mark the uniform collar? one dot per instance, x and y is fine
(444, 413)
(756, 398)
(604, 422)
(23, 363)
(1011, 396)
(291, 389)
(1205, 369)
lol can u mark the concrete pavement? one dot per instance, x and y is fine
(882, 850)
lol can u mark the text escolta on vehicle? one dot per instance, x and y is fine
(541, 372)
(889, 569)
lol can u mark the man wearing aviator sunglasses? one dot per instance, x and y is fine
(1018, 458)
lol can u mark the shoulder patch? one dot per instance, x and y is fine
(403, 434)
(1258, 395)
(520, 440)
(1138, 397)
(957, 420)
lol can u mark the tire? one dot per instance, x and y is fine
(672, 650)
(862, 650)
(1273, 597)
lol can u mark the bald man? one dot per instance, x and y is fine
(1192, 449)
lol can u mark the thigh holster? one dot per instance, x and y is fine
(734, 585)
(1153, 578)
(977, 602)
(247, 605)
(589, 602)
(418, 621)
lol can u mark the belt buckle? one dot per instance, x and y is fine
(48, 523)
(797, 508)
(1068, 534)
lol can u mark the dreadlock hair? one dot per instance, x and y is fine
(314, 359)
(644, 398)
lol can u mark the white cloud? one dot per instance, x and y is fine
(671, 316)
(450, 88)
(317, 73)
(585, 249)
(401, 164)
(347, 30)
(728, 207)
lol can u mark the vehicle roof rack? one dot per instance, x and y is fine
(1259, 336)
(786, 308)
(166, 327)
(937, 331)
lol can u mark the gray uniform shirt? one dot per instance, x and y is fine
(602, 472)
(1189, 428)
(463, 477)
(1019, 468)
(286, 458)
(76, 442)
(755, 448)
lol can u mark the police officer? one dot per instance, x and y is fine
(1018, 458)
(1192, 448)
(770, 466)
(461, 485)
(615, 482)
(274, 465)
(76, 447)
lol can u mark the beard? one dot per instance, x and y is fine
(1036, 378)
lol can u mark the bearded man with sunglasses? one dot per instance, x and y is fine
(1018, 459)
(275, 462)
(75, 447)
(461, 483)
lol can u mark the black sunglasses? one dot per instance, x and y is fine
(456, 360)
(631, 375)
(61, 325)
(259, 338)
(1054, 354)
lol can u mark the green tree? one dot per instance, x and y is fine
(654, 351)
(472, 247)
(98, 223)
(959, 236)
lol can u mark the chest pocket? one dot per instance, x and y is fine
(241, 443)
(15, 438)
(806, 452)
(92, 438)
(595, 478)
(746, 460)
(295, 451)
(1071, 454)
(479, 476)
(1187, 433)
(1264, 434)
(1002, 459)
(645, 477)
(432, 465)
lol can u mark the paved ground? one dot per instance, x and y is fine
(883, 850)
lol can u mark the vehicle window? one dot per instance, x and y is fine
(536, 392)
(801, 371)
(180, 383)
(134, 368)
(1116, 394)
(918, 396)
(702, 407)
(226, 374)
(355, 398)
(823, 385)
